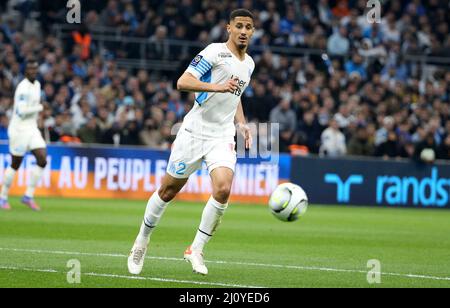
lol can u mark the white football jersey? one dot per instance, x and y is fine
(26, 105)
(212, 116)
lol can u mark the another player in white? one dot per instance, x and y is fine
(218, 76)
(25, 136)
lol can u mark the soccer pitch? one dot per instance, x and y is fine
(329, 247)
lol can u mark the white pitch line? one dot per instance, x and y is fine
(25, 269)
(266, 265)
(216, 284)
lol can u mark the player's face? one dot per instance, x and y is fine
(241, 30)
(32, 71)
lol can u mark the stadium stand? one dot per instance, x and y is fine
(337, 84)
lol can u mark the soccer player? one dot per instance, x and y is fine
(24, 136)
(218, 76)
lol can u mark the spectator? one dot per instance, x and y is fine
(390, 148)
(159, 48)
(68, 135)
(341, 9)
(4, 127)
(408, 149)
(360, 144)
(260, 104)
(427, 151)
(111, 15)
(83, 38)
(355, 66)
(333, 141)
(344, 116)
(338, 43)
(287, 121)
(150, 135)
(325, 14)
(444, 149)
(90, 132)
(373, 57)
(383, 90)
(127, 109)
(382, 133)
(167, 137)
(129, 134)
(309, 132)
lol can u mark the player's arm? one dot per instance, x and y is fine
(189, 83)
(23, 109)
(241, 125)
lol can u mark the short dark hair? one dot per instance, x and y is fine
(241, 13)
(32, 61)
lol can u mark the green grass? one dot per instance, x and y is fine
(406, 241)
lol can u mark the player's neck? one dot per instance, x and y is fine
(239, 53)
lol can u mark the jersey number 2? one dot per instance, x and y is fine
(181, 169)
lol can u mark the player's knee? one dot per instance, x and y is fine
(167, 193)
(41, 162)
(15, 166)
(222, 193)
(16, 162)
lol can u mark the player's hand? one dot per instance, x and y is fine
(247, 134)
(228, 87)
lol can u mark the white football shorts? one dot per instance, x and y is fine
(188, 153)
(22, 141)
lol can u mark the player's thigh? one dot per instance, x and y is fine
(37, 143)
(19, 142)
(185, 157)
(221, 162)
(221, 154)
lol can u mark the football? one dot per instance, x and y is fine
(288, 202)
(428, 155)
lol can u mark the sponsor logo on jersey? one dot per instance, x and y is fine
(225, 55)
(241, 85)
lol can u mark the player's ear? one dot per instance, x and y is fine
(229, 28)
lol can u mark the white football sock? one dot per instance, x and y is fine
(36, 175)
(8, 178)
(155, 209)
(211, 218)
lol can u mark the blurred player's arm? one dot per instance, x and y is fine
(242, 127)
(24, 109)
(189, 83)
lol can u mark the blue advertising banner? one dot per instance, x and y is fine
(373, 182)
(134, 173)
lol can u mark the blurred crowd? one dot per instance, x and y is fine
(361, 96)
